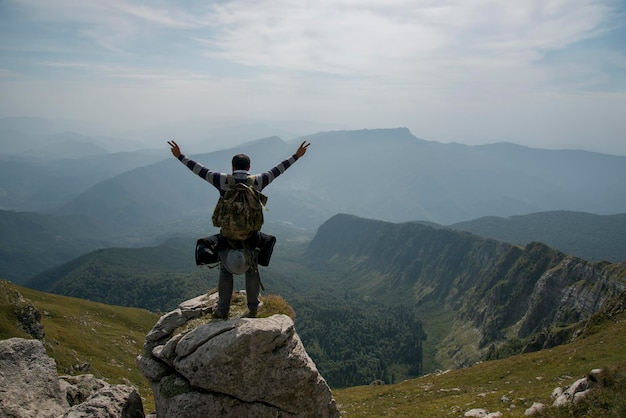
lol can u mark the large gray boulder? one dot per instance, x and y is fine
(31, 388)
(254, 367)
(29, 384)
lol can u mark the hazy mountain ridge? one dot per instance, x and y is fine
(386, 174)
(34, 243)
(589, 236)
(163, 191)
(39, 136)
(37, 183)
(497, 291)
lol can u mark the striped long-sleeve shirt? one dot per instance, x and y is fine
(220, 182)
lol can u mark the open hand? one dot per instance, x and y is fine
(302, 149)
(175, 148)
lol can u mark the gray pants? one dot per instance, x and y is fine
(225, 288)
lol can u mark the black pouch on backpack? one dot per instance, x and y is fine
(266, 245)
(207, 250)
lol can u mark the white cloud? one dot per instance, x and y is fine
(473, 70)
(378, 38)
(397, 38)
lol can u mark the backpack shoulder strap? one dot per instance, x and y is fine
(230, 180)
(258, 195)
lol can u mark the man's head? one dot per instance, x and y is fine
(241, 162)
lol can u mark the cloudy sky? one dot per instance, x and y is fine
(544, 73)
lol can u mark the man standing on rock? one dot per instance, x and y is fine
(249, 265)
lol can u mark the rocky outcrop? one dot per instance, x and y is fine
(31, 388)
(577, 390)
(254, 367)
(28, 317)
(569, 292)
(562, 396)
(537, 296)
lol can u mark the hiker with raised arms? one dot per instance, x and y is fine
(239, 215)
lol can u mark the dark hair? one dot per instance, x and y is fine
(241, 162)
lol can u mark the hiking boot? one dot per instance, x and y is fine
(219, 315)
(251, 314)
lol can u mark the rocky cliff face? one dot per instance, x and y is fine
(538, 290)
(496, 291)
(255, 367)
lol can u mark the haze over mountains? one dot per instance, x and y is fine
(141, 197)
(386, 174)
(588, 236)
(67, 225)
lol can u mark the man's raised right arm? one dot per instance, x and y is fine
(174, 148)
(207, 174)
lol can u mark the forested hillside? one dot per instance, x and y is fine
(154, 278)
(351, 340)
(373, 299)
(480, 292)
(355, 342)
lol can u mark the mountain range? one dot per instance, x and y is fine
(35, 183)
(474, 297)
(588, 236)
(386, 174)
(370, 223)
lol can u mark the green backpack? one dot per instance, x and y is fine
(240, 211)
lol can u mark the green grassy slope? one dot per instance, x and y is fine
(110, 337)
(77, 331)
(523, 379)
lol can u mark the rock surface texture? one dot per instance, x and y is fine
(31, 388)
(254, 367)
